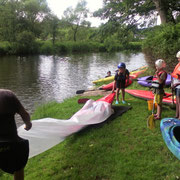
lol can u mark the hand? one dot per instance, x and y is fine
(28, 126)
(157, 73)
(172, 86)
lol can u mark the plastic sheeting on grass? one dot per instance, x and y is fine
(46, 133)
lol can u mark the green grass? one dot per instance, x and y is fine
(121, 149)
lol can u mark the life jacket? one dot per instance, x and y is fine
(155, 78)
(176, 71)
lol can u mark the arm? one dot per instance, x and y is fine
(113, 86)
(25, 117)
(161, 78)
(127, 76)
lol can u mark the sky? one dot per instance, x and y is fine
(59, 6)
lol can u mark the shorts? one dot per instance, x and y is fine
(158, 98)
(13, 155)
(177, 91)
(120, 85)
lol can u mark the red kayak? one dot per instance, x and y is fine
(110, 85)
(147, 95)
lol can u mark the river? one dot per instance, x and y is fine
(40, 79)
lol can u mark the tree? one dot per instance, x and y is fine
(76, 18)
(139, 12)
(33, 12)
(19, 16)
(8, 20)
(53, 26)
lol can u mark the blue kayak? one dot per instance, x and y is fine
(146, 80)
(170, 128)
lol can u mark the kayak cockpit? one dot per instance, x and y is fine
(176, 132)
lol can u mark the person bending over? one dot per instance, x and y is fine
(120, 81)
(14, 150)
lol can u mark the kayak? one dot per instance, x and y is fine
(110, 85)
(146, 80)
(48, 132)
(170, 129)
(133, 74)
(147, 95)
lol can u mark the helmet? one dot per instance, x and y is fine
(121, 65)
(160, 63)
(178, 54)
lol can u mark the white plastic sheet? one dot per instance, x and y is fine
(46, 133)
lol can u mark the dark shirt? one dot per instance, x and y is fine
(8, 127)
(9, 106)
(120, 79)
(121, 76)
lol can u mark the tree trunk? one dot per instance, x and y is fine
(164, 11)
(75, 32)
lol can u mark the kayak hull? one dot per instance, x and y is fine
(147, 95)
(143, 81)
(109, 86)
(133, 75)
(170, 129)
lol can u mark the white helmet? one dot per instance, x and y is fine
(160, 63)
(178, 54)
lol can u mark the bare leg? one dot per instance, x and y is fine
(178, 107)
(159, 110)
(19, 175)
(117, 94)
(123, 94)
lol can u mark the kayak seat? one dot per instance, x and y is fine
(176, 132)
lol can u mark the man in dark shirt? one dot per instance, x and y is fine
(14, 151)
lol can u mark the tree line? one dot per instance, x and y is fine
(29, 27)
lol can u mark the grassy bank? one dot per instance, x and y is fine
(120, 149)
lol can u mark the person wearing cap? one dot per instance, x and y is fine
(14, 150)
(176, 85)
(120, 80)
(161, 76)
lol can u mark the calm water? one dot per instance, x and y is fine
(39, 79)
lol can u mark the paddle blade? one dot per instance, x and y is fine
(82, 101)
(80, 91)
(151, 122)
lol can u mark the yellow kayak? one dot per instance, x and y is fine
(133, 74)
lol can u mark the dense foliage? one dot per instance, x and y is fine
(29, 27)
(163, 42)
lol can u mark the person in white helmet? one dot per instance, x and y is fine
(161, 76)
(176, 85)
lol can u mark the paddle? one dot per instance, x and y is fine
(82, 91)
(82, 101)
(172, 91)
(150, 120)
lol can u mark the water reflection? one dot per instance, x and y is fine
(38, 79)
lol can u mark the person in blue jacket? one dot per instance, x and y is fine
(14, 150)
(120, 81)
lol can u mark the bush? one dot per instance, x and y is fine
(46, 48)
(5, 47)
(137, 46)
(163, 42)
(25, 43)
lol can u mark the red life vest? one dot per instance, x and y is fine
(176, 71)
(155, 78)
